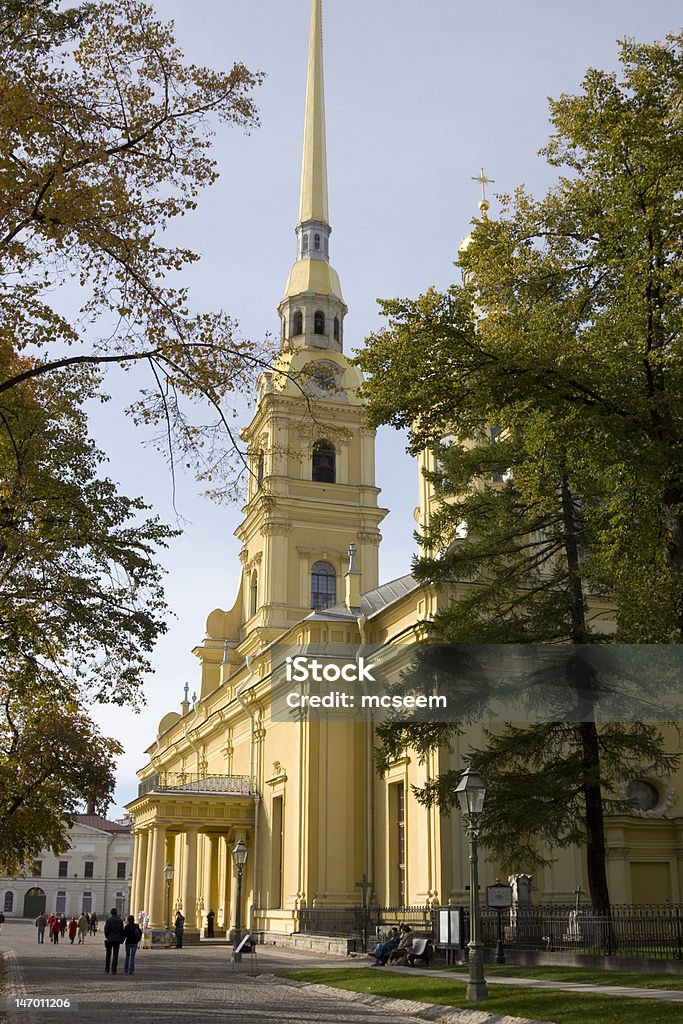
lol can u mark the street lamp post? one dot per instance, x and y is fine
(471, 791)
(239, 857)
(168, 875)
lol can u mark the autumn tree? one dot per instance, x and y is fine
(105, 134)
(104, 141)
(566, 340)
(81, 607)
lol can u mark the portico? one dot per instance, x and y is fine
(191, 824)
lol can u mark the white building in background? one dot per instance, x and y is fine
(92, 875)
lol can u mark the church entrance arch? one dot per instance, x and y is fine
(34, 902)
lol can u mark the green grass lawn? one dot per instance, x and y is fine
(539, 1004)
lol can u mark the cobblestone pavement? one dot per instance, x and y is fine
(194, 984)
(200, 983)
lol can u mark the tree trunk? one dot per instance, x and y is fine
(595, 822)
(590, 749)
(673, 511)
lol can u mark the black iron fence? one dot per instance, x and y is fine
(635, 931)
(364, 926)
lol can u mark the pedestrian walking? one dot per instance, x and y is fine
(178, 928)
(55, 930)
(83, 927)
(2, 920)
(210, 918)
(73, 928)
(41, 925)
(113, 937)
(62, 923)
(132, 935)
(93, 923)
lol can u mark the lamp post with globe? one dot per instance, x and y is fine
(239, 858)
(471, 791)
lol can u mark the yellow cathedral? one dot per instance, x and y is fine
(303, 795)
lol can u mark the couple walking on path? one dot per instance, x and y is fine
(115, 932)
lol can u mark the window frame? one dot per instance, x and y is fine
(322, 597)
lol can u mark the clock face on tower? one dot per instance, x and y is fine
(323, 380)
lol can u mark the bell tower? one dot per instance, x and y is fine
(312, 486)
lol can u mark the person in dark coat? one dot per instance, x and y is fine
(210, 918)
(178, 928)
(62, 923)
(93, 923)
(113, 937)
(132, 935)
(41, 925)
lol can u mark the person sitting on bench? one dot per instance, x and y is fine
(399, 956)
(383, 949)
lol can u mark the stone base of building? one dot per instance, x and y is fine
(335, 945)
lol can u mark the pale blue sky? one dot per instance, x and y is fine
(418, 98)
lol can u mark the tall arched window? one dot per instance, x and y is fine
(336, 328)
(319, 322)
(323, 586)
(316, 240)
(253, 593)
(324, 462)
(305, 245)
(298, 326)
(259, 470)
(9, 902)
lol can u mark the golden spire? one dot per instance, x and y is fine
(313, 200)
(312, 273)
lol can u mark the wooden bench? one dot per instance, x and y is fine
(421, 949)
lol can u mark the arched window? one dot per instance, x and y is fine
(336, 328)
(9, 902)
(316, 240)
(319, 322)
(253, 593)
(324, 459)
(323, 586)
(298, 327)
(259, 470)
(284, 327)
(305, 244)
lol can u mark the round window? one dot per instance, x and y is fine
(643, 794)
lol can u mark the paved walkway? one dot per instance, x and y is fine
(200, 983)
(184, 986)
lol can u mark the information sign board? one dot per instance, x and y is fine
(499, 896)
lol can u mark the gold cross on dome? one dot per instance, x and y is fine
(484, 181)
